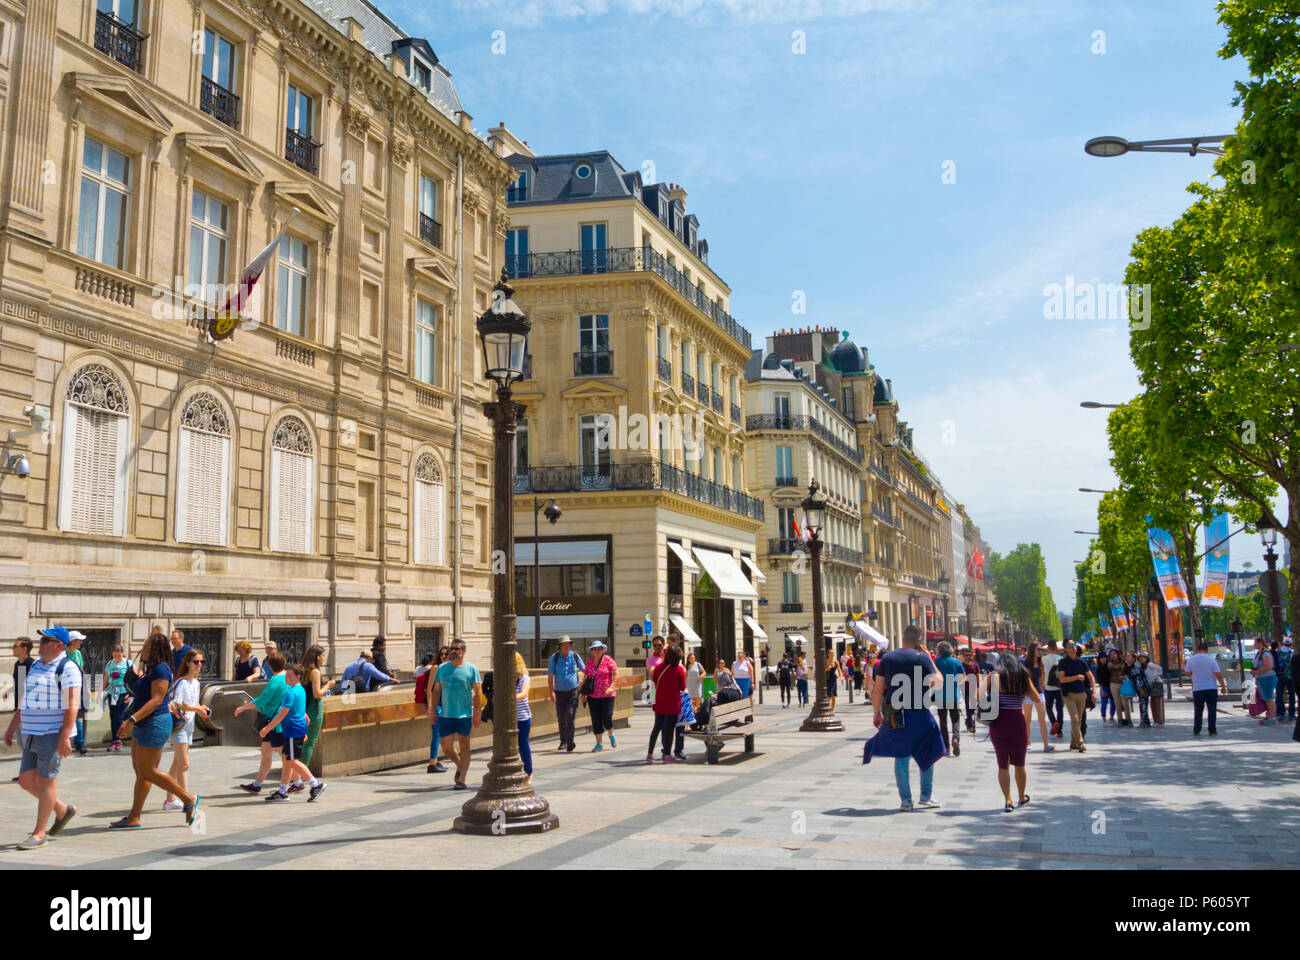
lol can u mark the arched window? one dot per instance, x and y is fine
(428, 530)
(293, 492)
(203, 473)
(96, 439)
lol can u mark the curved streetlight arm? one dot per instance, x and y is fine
(1188, 145)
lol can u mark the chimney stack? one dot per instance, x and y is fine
(676, 192)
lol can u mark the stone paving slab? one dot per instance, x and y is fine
(805, 801)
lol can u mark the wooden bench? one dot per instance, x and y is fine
(728, 721)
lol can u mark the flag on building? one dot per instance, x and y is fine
(221, 326)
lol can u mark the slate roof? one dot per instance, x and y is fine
(379, 33)
(553, 177)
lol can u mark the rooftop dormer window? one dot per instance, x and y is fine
(423, 76)
(582, 182)
(519, 189)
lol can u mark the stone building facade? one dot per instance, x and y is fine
(322, 476)
(633, 418)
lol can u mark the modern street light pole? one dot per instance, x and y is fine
(505, 802)
(969, 596)
(821, 719)
(1118, 146)
(1267, 528)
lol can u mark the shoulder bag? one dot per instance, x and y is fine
(589, 682)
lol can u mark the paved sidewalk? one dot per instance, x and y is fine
(1137, 799)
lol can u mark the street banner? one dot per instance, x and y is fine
(1164, 558)
(1117, 613)
(1215, 590)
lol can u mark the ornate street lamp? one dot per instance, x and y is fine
(969, 595)
(821, 719)
(943, 586)
(505, 802)
(1267, 528)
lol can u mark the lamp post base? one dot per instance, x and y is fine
(821, 720)
(506, 805)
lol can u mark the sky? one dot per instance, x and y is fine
(916, 169)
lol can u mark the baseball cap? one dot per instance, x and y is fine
(1286, 641)
(56, 633)
(76, 635)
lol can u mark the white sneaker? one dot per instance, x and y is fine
(928, 804)
(173, 805)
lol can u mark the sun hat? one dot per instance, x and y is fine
(563, 640)
(597, 643)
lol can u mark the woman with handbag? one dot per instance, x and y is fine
(599, 687)
(185, 704)
(1036, 673)
(1156, 678)
(150, 725)
(1137, 675)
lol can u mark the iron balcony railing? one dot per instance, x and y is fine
(702, 392)
(838, 552)
(787, 481)
(784, 545)
(517, 264)
(624, 259)
(881, 471)
(216, 100)
(778, 421)
(882, 514)
(645, 475)
(921, 503)
(119, 40)
(301, 150)
(688, 384)
(791, 607)
(430, 230)
(664, 369)
(593, 363)
(716, 401)
(735, 413)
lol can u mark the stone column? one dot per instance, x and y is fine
(32, 94)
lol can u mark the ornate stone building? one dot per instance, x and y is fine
(323, 476)
(633, 419)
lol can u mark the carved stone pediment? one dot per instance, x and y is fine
(122, 97)
(220, 150)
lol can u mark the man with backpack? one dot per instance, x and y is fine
(1052, 689)
(1282, 656)
(785, 678)
(564, 680)
(46, 715)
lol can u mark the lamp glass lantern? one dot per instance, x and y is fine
(1267, 531)
(504, 330)
(814, 508)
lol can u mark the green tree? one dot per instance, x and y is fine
(1020, 585)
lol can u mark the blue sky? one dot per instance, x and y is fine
(822, 172)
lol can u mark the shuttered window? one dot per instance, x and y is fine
(203, 473)
(96, 440)
(428, 535)
(292, 487)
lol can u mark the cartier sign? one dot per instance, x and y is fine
(556, 606)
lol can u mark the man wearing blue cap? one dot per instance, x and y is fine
(47, 717)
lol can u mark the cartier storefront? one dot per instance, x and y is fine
(576, 592)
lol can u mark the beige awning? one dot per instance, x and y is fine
(759, 632)
(684, 556)
(690, 636)
(752, 567)
(725, 574)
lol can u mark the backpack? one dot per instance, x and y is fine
(422, 686)
(1053, 678)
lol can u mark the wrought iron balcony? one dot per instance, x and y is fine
(517, 264)
(791, 607)
(787, 481)
(784, 545)
(780, 421)
(702, 391)
(735, 413)
(219, 102)
(664, 369)
(882, 514)
(301, 150)
(623, 259)
(716, 401)
(645, 475)
(919, 502)
(881, 471)
(431, 231)
(119, 40)
(688, 384)
(593, 363)
(838, 552)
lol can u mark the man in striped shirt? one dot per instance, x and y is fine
(47, 717)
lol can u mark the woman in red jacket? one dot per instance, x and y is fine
(670, 681)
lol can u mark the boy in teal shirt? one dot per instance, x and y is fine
(267, 705)
(288, 731)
